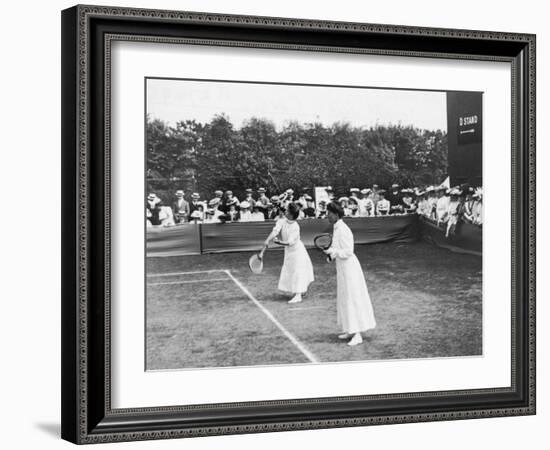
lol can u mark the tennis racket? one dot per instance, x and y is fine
(323, 242)
(256, 261)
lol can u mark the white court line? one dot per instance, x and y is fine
(287, 333)
(303, 308)
(186, 282)
(184, 273)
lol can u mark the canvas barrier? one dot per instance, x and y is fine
(466, 239)
(191, 239)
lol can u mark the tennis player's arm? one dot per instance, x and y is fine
(344, 249)
(276, 230)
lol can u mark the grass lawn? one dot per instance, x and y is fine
(427, 303)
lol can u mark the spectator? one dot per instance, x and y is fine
(353, 206)
(467, 206)
(432, 202)
(273, 211)
(257, 214)
(195, 203)
(263, 202)
(229, 198)
(354, 201)
(153, 209)
(453, 211)
(322, 210)
(232, 210)
(394, 197)
(477, 207)
(442, 205)
(344, 203)
(245, 215)
(375, 198)
(383, 205)
(180, 207)
(407, 200)
(309, 210)
(213, 214)
(249, 199)
(166, 217)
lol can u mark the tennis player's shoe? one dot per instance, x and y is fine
(296, 299)
(356, 339)
(343, 336)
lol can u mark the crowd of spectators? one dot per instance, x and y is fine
(439, 203)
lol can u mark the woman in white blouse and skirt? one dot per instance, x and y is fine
(297, 270)
(354, 309)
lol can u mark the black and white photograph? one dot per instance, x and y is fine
(310, 224)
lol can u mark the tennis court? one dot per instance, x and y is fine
(211, 311)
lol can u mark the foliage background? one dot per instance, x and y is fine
(203, 157)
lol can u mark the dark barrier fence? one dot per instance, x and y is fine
(466, 239)
(172, 241)
(191, 239)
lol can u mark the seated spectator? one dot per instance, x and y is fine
(153, 209)
(344, 203)
(309, 210)
(213, 214)
(365, 206)
(353, 206)
(394, 197)
(232, 211)
(322, 209)
(383, 205)
(166, 216)
(301, 214)
(407, 200)
(245, 215)
(196, 217)
(195, 203)
(257, 214)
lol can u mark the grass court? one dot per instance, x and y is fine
(211, 311)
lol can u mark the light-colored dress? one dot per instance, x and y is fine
(297, 270)
(353, 305)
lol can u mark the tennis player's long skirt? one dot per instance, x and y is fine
(353, 305)
(297, 270)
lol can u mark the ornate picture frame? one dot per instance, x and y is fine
(88, 33)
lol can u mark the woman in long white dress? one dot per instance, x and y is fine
(297, 270)
(353, 305)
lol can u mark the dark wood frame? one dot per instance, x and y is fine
(87, 416)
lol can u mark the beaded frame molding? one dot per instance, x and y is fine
(87, 35)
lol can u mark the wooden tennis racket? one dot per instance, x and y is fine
(323, 242)
(256, 261)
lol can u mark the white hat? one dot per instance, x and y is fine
(195, 215)
(244, 205)
(152, 197)
(214, 202)
(354, 190)
(341, 199)
(180, 192)
(365, 191)
(195, 195)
